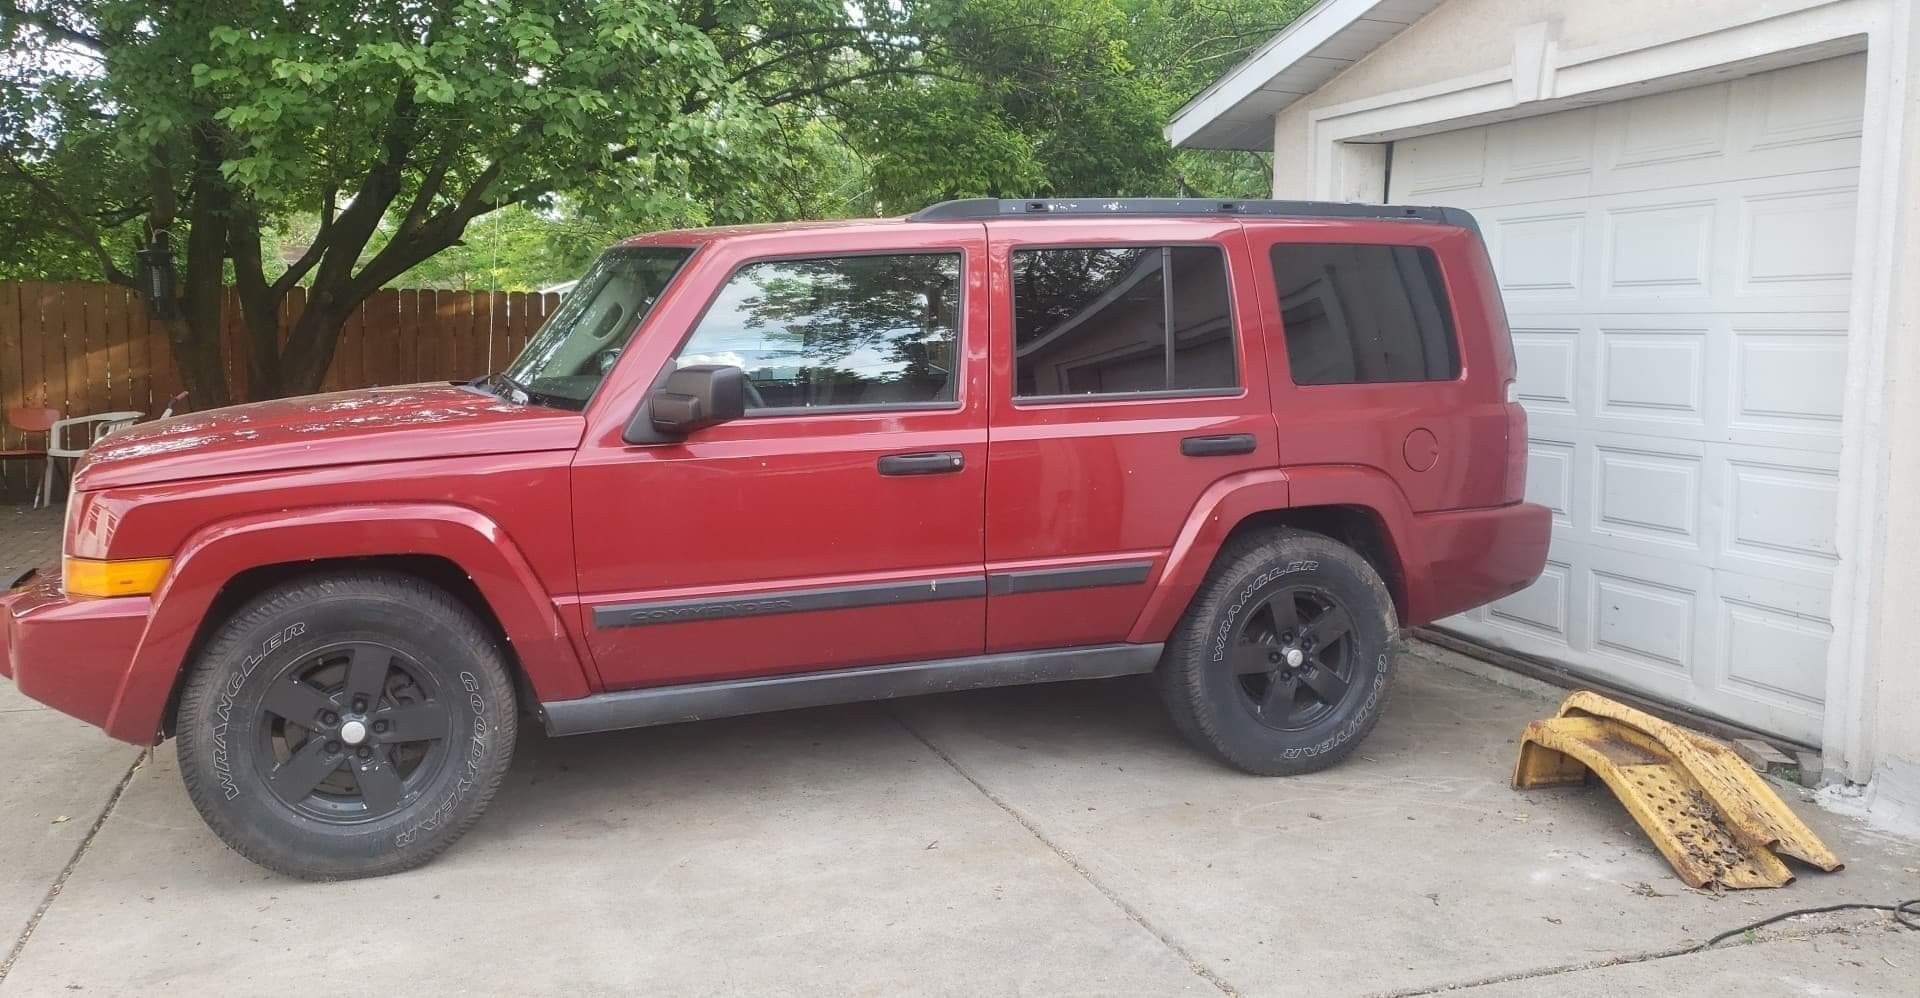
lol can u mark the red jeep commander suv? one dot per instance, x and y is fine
(1236, 445)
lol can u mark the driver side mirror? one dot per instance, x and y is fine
(691, 398)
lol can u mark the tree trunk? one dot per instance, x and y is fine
(310, 345)
(196, 336)
(201, 363)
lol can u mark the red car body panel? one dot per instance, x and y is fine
(559, 523)
(1101, 480)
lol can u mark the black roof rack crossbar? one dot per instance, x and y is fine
(980, 209)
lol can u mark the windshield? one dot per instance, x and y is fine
(577, 345)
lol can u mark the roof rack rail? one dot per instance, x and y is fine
(966, 209)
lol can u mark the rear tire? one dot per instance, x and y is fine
(347, 725)
(1282, 663)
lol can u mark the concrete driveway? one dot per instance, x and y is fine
(1046, 840)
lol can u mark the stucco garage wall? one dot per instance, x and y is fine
(1893, 677)
(1466, 37)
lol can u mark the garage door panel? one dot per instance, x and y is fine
(1647, 619)
(1447, 163)
(1546, 618)
(1776, 511)
(1786, 380)
(1657, 132)
(1802, 119)
(1542, 610)
(1653, 376)
(1662, 250)
(1773, 631)
(1539, 257)
(1797, 243)
(1547, 160)
(1676, 270)
(1550, 465)
(1646, 498)
(1548, 359)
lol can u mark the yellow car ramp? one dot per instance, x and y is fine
(1713, 817)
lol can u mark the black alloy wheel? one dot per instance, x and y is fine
(352, 733)
(1293, 657)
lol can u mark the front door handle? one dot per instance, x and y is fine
(943, 462)
(1223, 445)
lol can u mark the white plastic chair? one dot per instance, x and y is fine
(59, 446)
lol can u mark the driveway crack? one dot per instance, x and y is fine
(1133, 914)
(1622, 960)
(53, 891)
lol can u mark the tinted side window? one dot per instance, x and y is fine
(845, 331)
(1362, 314)
(1118, 320)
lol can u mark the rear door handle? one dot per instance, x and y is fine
(942, 462)
(1223, 445)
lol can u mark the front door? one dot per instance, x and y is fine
(840, 523)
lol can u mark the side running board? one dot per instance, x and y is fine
(1707, 811)
(733, 697)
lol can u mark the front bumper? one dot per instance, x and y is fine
(71, 653)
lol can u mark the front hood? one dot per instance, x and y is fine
(358, 427)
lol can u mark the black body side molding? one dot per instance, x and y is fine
(1047, 580)
(765, 604)
(789, 601)
(733, 697)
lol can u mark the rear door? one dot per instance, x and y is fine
(1124, 383)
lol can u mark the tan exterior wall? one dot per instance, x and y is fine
(1465, 37)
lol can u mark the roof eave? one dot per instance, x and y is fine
(1237, 111)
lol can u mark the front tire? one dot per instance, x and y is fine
(347, 725)
(1282, 662)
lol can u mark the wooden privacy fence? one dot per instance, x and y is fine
(83, 348)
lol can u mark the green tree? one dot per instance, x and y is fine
(396, 123)
(1062, 98)
(343, 145)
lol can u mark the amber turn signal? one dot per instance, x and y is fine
(89, 577)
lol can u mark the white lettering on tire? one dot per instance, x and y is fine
(224, 701)
(1224, 634)
(470, 771)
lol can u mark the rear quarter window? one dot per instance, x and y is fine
(1364, 314)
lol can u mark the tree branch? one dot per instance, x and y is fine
(315, 250)
(793, 94)
(75, 224)
(429, 187)
(11, 11)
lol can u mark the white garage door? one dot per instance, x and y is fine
(1676, 270)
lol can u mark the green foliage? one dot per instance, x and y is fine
(350, 144)
(1062, 98)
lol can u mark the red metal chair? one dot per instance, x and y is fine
(27, 420)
